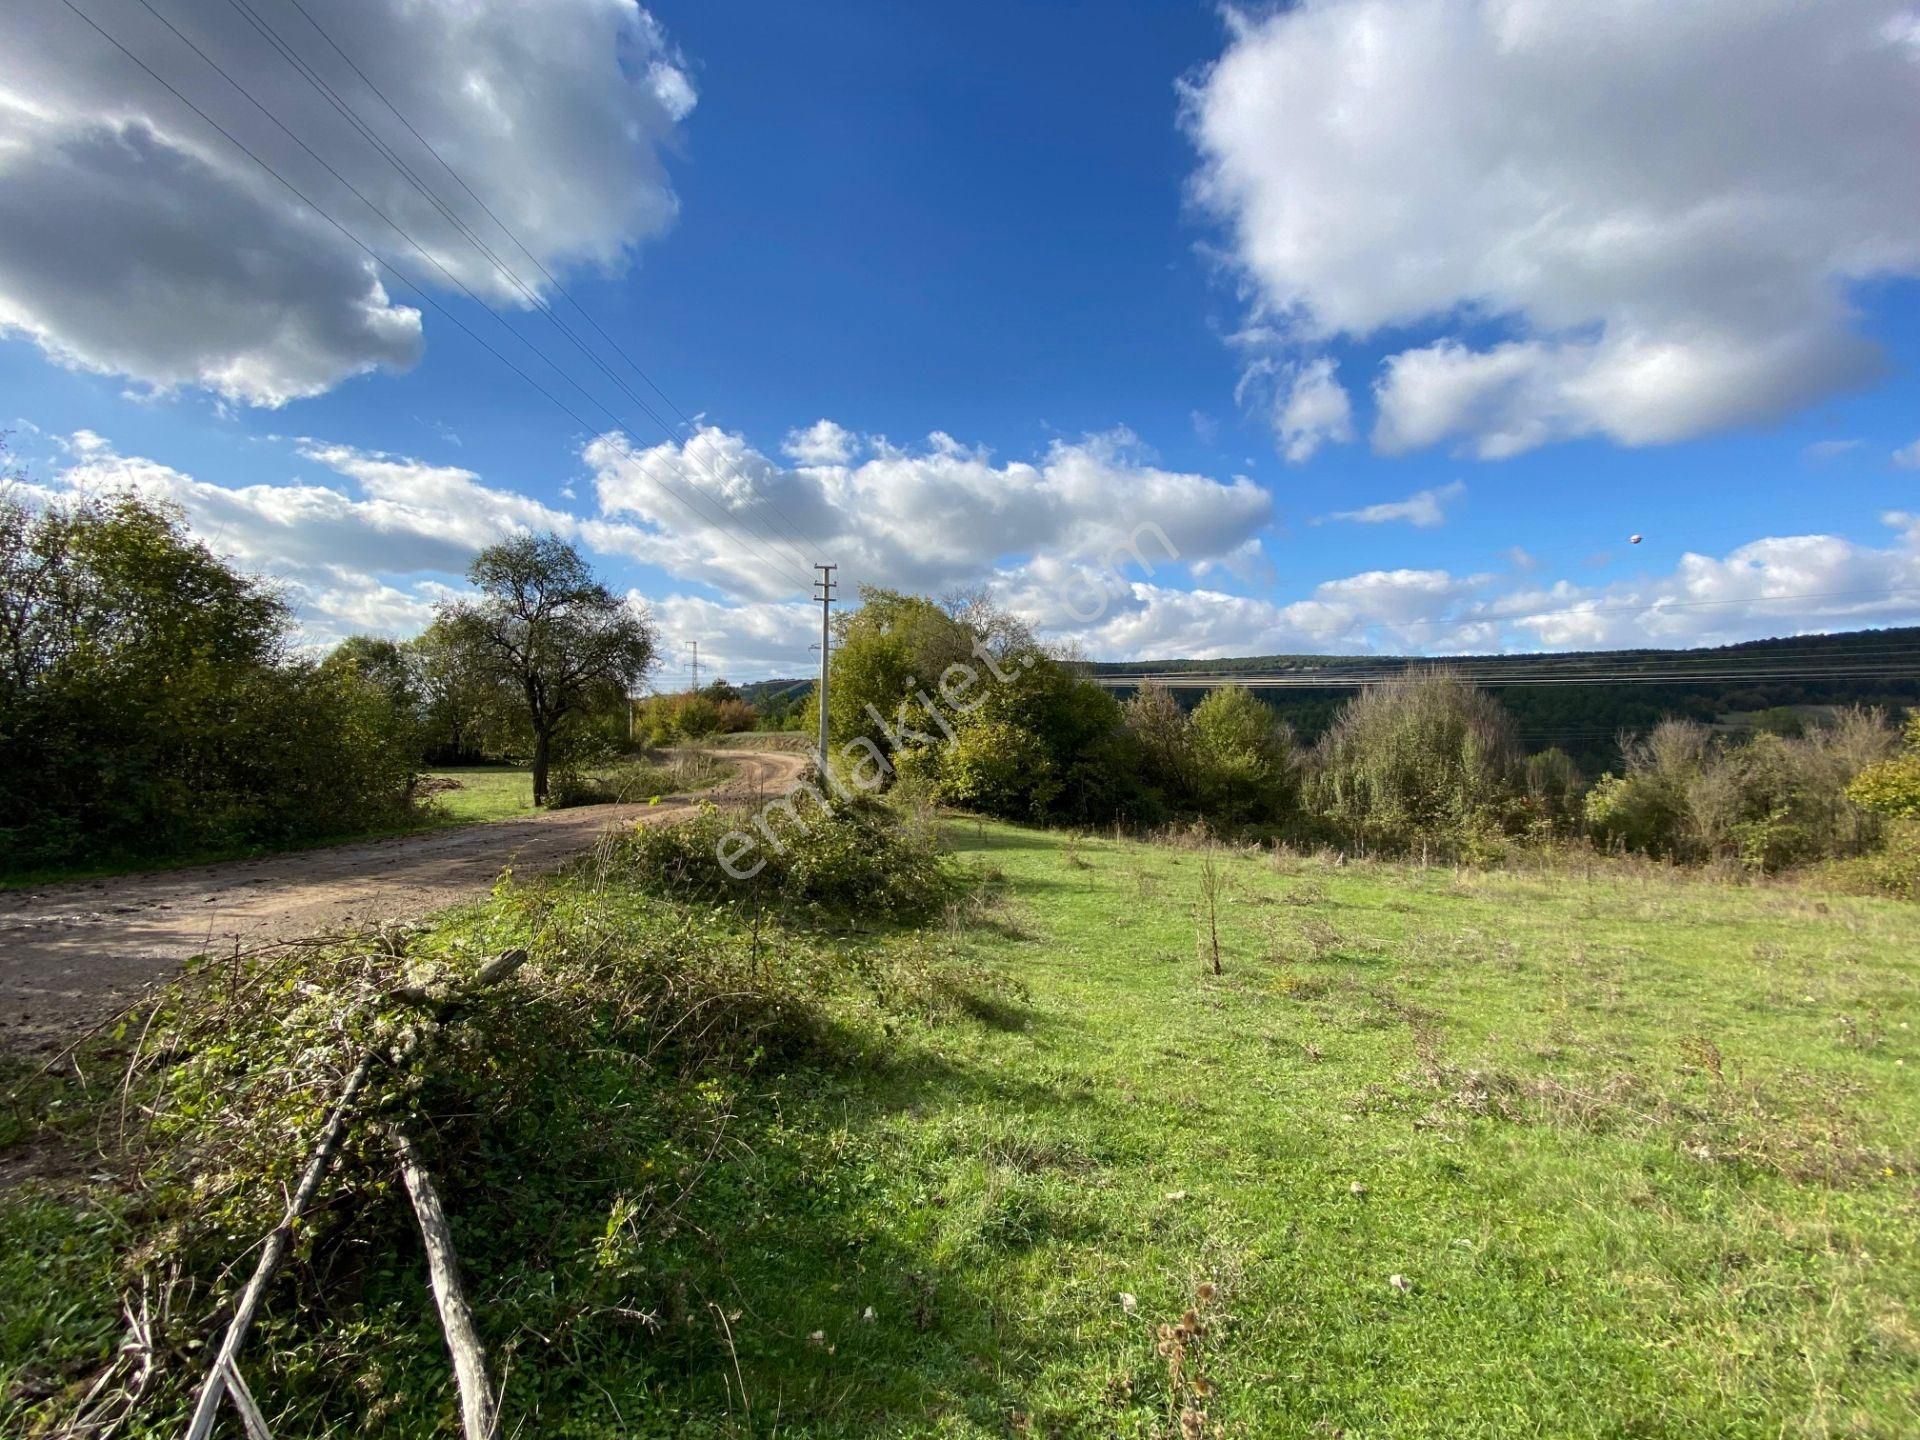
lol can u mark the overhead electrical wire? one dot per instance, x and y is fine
(682, 457)
(795, 577)
(521, 245)
(352, 116)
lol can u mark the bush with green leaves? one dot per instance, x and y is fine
(1246, 768)
(995, 767)
(635, 781)
(1892, 868)
(853, 860)
(1767, 800)
(1553, 789)
(1424, 761)
(1892, 786)
(1162, 735)
(960, 696)
(152, 704)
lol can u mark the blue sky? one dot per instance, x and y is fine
(1530, 276)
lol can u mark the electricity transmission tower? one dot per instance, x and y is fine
(694, 646)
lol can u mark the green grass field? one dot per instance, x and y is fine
(486, 792)
(1601, 1151)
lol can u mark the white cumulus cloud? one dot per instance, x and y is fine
(821, 443)
(141, 242)
(930, 519)
(1313, 411)
(1664, 205)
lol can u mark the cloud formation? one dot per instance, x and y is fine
(1778, 585)
(1424, 509)
(1312, 411)
(1664, 206)
(928, 519)
(555, 115)
(380, 542)
(821, 443)
(375, 554)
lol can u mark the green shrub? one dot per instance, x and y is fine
(1162, 733)
(853, 861)
(1552, 784)
(997, 768)
(151, 704)
(1892, 870)
(1767, 801)
(630, 782)
(1640, 813)
(1428, 760)
(1892, 787)
(1245, 767)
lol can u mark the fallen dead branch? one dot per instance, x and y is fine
(477, 1408)
(224, 1380)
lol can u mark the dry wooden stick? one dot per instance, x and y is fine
(222, 1377)
(478, 1413)
(491, 973)
(251, 1420)
(273, 1252)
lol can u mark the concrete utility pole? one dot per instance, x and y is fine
(825, 585)
(694, 645)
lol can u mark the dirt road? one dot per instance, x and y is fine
(71, 953)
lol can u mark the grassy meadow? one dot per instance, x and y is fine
(475, 794)
(1599, 1150)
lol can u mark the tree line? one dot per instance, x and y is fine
(1426, 763)
(155, 702)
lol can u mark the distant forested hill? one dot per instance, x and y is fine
(761, 693)
(1766, 682)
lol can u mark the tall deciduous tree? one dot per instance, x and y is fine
(559, 636)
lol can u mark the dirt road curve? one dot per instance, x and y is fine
(71, 953)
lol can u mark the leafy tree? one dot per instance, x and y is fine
(998, 768)
(151, 704)
(1164, 734)
(1552, 783)
(562, 639)
(888, 653)
(696, 718)
(467, 711)
(1243, 757)
(385, 663)
(387, 669)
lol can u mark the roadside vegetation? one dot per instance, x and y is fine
(1609, 1145)
(157, 707)
(153, 702)
(1427, 765)
(1106, 1070)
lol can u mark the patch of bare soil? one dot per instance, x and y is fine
(70, 954)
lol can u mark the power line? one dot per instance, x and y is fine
(378, 259)
(1523, 616)
(1343, 680)
(353, 117)
(507, 230)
